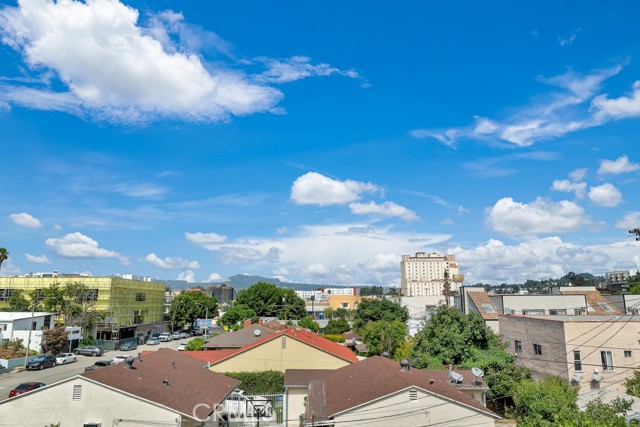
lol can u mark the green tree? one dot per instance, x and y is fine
(384, 337)
(80, 306)
(633, 384)
(18, 302)
(195, 344)
(293, 307)
(189, 306)
(544, 403)
(634, 283)
(234, 317)
(451, 336)
(371, 310)
(55, 340)
(336, 326)
(308, 323)
(267, 300)
(4, 255)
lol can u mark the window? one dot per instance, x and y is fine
(518, 345)
(34, 326)
(533, 312)
(628, 353)
(537, 349)
(5, 294)
(580, 311)
(141, 296)
(577, 361)
(607, 360)
(3, 327)
(488, 308)
(606, 307)
(557, 311)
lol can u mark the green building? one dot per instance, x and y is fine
(129, 308)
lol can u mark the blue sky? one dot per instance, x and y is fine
(319, 142)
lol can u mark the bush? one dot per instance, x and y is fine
(195, 344)
(334, 337)
(261, 382)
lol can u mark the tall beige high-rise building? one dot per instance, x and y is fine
(424, 274)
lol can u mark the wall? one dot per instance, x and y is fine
(271, 356)
(544, 302)
(97, 404)
(428, 409)
(295, 397)
(337, 301)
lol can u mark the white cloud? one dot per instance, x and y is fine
(38, 259)
(387, 209)
(578, 174)
(115, 70)
(566, 186)
(629, 220)
(145, 191)
(215, 277)
(539, 217)
(315, 189)
(77, 245)
(205, 238)
(550, 116)
(188, 276)
(57, 227)
(25, 220)
(170, 263)
(617, 166)
(296, 68)
(568, 41)
(606, 195)
(606, 108)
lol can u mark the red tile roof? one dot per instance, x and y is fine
(189, 383)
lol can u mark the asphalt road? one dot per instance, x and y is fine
(60, 372)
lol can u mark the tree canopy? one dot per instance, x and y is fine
(232, 319)
(268, 300)
(4, 255)
(336, 326)
(187, 307)
(55, 340)
(373, 310)
(308, 323)
(384, 337)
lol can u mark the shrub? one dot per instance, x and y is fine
(261, 382)
(334, 337)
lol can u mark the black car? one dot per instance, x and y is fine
(42, 361)
(128, 346)
(99, 364)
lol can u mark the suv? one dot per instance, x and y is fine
(164, 337)
(91, 350)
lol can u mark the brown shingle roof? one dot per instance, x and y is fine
(190, 383)
(593, 298)
(479, 298)
(237, 339)
(376, 377)
(302, 377)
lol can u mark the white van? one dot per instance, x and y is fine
(164, 337)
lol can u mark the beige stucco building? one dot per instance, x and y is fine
(589, 351)
(424, 274)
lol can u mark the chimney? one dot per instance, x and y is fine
(129, 362)
(282, 326)
(165, 382)
(247, 323)
(260, 321)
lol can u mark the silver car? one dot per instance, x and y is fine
(64, 358)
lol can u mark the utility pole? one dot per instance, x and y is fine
(446, 287)
(33, 310)
(635, 231)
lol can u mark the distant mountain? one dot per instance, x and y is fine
(241, 282)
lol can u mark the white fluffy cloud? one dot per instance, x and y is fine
(214, 277)
(205, 238)
(387, 209)
(539, 217)
(170, 263)
(566, 186)
(578, 174)
(25, 220)
(315, 189)
(617, 166)
(37, 259)
(629, 220)
(605, 195)
(188, 276)
(618, 108)
(77, 245)
(116, 70)
(296, 68)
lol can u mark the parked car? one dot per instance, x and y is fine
(128, 346)
(175, 335)
(184, 334)
(239, 404)
(24, 388)
(182, 346)
(153, 341)
(164, 337)
(90, 350)
(99, 364)
(119, 359)
(42, 361)
(64, 358)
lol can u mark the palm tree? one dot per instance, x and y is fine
(4, 254)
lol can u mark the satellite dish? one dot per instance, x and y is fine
(456, 377)
(477, 372)
(576, 378)
(257, 332)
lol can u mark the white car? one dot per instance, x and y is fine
(64, 358)
(119, 359)
(182, 346)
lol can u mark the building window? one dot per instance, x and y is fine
(5, 294)
(141, 296)
(533, 312)
(537, 349)
(488, 308)
(77, 392)
(577, 360)
(518, 346)
(557, 311)
(91, 295)
(34, 325)
(606, 307)
(628, 353)
(607, 360)
(580, 311)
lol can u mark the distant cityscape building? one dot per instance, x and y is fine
(324, 293)
(424, 274)
(222, 293)
(617, 279)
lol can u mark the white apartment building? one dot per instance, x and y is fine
(323, 294)
(424, 274)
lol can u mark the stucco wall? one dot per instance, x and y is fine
(295, 405)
